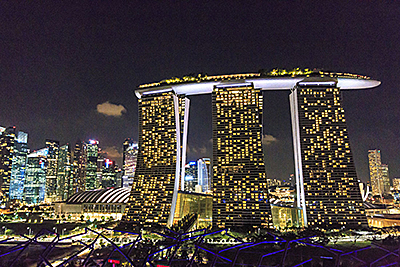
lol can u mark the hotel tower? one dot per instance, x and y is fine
(163, 119)
(327, 187)
(240, 191)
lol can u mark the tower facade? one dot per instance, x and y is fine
(129, 161)
(7, 147)
(326, 179)
(204, 174)
(91, 153)
(64, 173)
(162, 141)
(52, 169)
(18, 170)
(385, 178)
(240, 192)
(78, 168)
(35, 180)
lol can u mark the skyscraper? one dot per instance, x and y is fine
(7, 140)
(108, 178)
(78, 168)
(378, 173)
(204, 175)
(18, 171)
(91, 152)
(159, 165)
(191, 178)
(129, 160)
(326, 179)
(240, 190)
(64, 173)
(51, 171)
(35, 180)
(384, 169)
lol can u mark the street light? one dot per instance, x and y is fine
(5, 228)
(29, 230)
(63, 230)
(55, 229)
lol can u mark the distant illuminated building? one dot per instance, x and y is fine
(35, 181)
(90, 153)
(191, 176)
(396, 184)
(374, 159)
(130, 153)
(7, 147)
(384, 169)
(51, 171)
(64, 173)
(328, 191)
(78, 170)
(240, 189)
(108, 178)
(130, 157)
(18, 171)
(163, 120)
(204, 175)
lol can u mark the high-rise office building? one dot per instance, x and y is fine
(130, 157)
(108, 178)
(64, 173)
(18, 170)
(374, 160)
(204, 174)
(191, 176)
(163, 122)
(35, 180)
(240, 192)
(326, 179)
(378, 173)
(91, 152)
(51, 171)
(78, 168)
(7, 147)
(384, 169)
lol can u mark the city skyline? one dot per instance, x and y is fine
(67, 65)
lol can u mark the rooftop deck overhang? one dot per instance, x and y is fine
(279, 83)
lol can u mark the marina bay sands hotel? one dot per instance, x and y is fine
(327, 186)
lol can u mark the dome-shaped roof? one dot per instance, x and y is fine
(109, 195)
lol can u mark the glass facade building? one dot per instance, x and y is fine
(162, 141)
(240, 192)
(374, 160)
(326, 179)
(91, 153)
(204, 174)
(52, 169)
(18, 171)
(7, 147)
(64, 173)
(35, 181)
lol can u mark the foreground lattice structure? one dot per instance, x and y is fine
(196, 248)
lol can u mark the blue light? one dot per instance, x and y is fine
(192, 163)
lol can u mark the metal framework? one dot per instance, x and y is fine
(167, 251)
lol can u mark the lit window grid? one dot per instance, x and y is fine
(330, 181)
(153, 186)
(239, 179)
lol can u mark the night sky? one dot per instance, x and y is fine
(68, 70)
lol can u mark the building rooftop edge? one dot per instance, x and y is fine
(264, 83)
